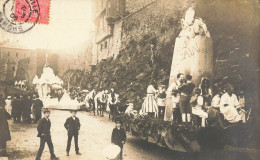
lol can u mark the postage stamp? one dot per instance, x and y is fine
(20, 16)
(40, 5)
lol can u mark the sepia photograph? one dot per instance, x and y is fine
(129, 80)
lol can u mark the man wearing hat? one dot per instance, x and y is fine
(118, 137)
(16, 109)
(37, 106)
(44, 133)
(72, 125)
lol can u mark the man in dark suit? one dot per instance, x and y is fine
(4, 128)
(44, 133)
(16, 109)
(72, 125)
(119, 137)
(37, 105)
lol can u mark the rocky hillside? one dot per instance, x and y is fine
(234, 28)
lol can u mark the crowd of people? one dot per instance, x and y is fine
(183, 102)
(24, 108)
(99, 102)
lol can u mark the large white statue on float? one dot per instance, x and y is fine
(46, 82)
(49, 81)
(193, 52)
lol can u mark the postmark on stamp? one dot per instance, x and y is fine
(20, 16)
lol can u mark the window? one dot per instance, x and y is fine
(17, 54)
(8, 60)
(13, 68)
(101, 47)
(8, 54)
(105, 45)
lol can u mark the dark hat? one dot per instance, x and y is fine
(46, 110)
(197, 90)
(118, 121)
(189, 77)
(73, 111)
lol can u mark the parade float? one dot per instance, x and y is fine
(49, 83)
(193, 54)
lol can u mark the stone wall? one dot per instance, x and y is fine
(134, 5)
(116, 41)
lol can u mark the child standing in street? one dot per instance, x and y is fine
(119, 137)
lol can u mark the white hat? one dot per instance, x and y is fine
(9, 97)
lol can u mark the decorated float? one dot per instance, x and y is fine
(191, 137)
(50, 84)
(193, 54)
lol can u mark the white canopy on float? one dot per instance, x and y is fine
(67, 103)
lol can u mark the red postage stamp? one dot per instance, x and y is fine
(35, 11)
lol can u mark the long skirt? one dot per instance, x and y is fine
(150, 105)
(168, 115)
(170, 105)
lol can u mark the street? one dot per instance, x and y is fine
(95, 134)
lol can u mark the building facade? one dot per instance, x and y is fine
(24, 64)
(10, 58)
(109, 16)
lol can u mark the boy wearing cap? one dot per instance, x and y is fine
(119, 137)
(44, 133)
(72, 125)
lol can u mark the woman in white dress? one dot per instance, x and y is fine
(149, 105)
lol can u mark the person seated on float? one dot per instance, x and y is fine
(130, 109)
(215, 102)
(149, 105)
(197, 104)
(229, 105)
